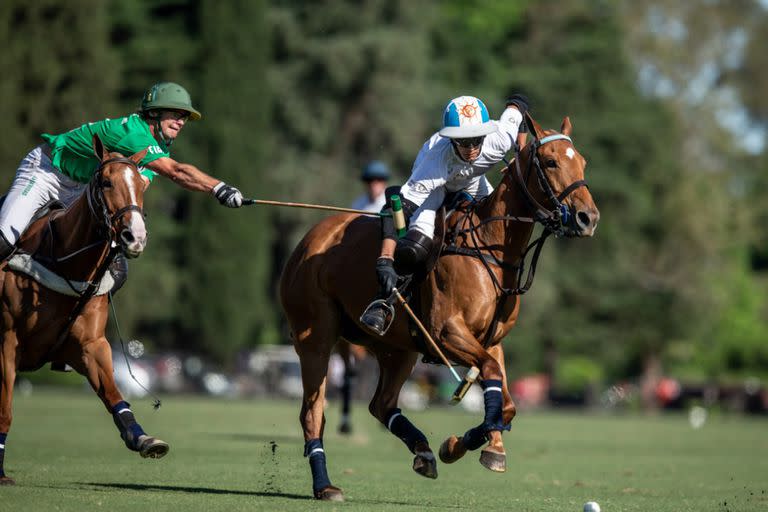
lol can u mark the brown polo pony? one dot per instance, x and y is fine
(40, 325)
(469, 302)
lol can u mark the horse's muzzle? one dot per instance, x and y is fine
(584, 222)
(131, 245)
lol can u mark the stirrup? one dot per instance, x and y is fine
(390, 314)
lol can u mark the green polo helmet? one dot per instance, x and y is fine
(169, 95)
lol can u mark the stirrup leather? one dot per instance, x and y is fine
(389, 317)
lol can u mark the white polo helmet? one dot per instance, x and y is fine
(466, 117)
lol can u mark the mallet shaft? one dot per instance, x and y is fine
(314, 206)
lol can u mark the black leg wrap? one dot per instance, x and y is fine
(3, 436)
(130, 430)
(404, 429)
(314, 450)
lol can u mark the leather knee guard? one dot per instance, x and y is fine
(6, 248)
(412, 252)
(119, 270)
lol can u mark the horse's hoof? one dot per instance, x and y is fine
(424, 463)
(330, 493)
(345, 428)
(493, 460)
(452, 450)
(153, 448)
(6, 480)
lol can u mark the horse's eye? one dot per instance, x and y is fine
(106, 184)
(551, 163)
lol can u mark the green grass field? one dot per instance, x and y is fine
(65, 454)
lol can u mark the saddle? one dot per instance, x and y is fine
(53, 204)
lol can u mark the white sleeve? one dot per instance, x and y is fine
(497, 144)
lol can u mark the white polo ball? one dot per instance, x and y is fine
(591, 506)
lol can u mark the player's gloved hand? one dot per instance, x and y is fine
(520, 101)
(228, 195)
(385, 272)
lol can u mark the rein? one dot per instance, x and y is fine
(553, 221)
(95, 197)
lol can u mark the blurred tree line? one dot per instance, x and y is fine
(665, 98)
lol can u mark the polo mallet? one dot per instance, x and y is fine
(471, 375)
(248, 202)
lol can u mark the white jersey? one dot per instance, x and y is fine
(364, 202)
(439, 170)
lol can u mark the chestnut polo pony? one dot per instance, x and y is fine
(40, 325)
(468, 302)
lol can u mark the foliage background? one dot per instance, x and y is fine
(667, 104)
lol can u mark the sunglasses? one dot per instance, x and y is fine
(178, 115)
(472, 142)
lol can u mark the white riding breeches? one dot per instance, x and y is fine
(424, 217)
(36, 183)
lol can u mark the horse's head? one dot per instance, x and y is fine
(554, 181)
(116, 195)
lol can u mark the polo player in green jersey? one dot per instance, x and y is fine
(60, 167)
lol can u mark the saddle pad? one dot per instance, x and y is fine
(26, 265)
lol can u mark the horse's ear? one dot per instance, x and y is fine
(98, 148)
(533, 126)
(566, 127)
(138, 157)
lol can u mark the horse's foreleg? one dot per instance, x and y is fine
(509, 410)
(96, 365)
(494, 422)
(395, 367)
(7, 379)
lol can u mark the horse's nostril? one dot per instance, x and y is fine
(127, 236)
(583, 219)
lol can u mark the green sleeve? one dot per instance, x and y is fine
(135, 142)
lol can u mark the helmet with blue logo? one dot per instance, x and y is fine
(375, 170)
(466, 117)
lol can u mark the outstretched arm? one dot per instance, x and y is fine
(184, 175)
(192, 178)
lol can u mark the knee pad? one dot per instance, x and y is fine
(119, 270)
(412, 252)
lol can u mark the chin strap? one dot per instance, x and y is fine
(159, 130)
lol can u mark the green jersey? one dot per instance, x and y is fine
(73, 155)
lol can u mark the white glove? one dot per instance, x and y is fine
(228, 195)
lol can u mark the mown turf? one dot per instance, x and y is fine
(65, 454)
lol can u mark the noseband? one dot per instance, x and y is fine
(556, 219)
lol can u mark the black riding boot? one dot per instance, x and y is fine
(119, 270)
(376, 314)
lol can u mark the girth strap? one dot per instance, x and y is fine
(489, 258)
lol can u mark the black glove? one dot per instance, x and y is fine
(520, 101)
(385, 272)
(228, 195)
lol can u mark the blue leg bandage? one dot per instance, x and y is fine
(404, 429)
(492, 395)
(314, 450)
(130, 431)
(3, 436)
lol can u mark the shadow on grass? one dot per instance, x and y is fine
(196, 490)
(264, 494)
